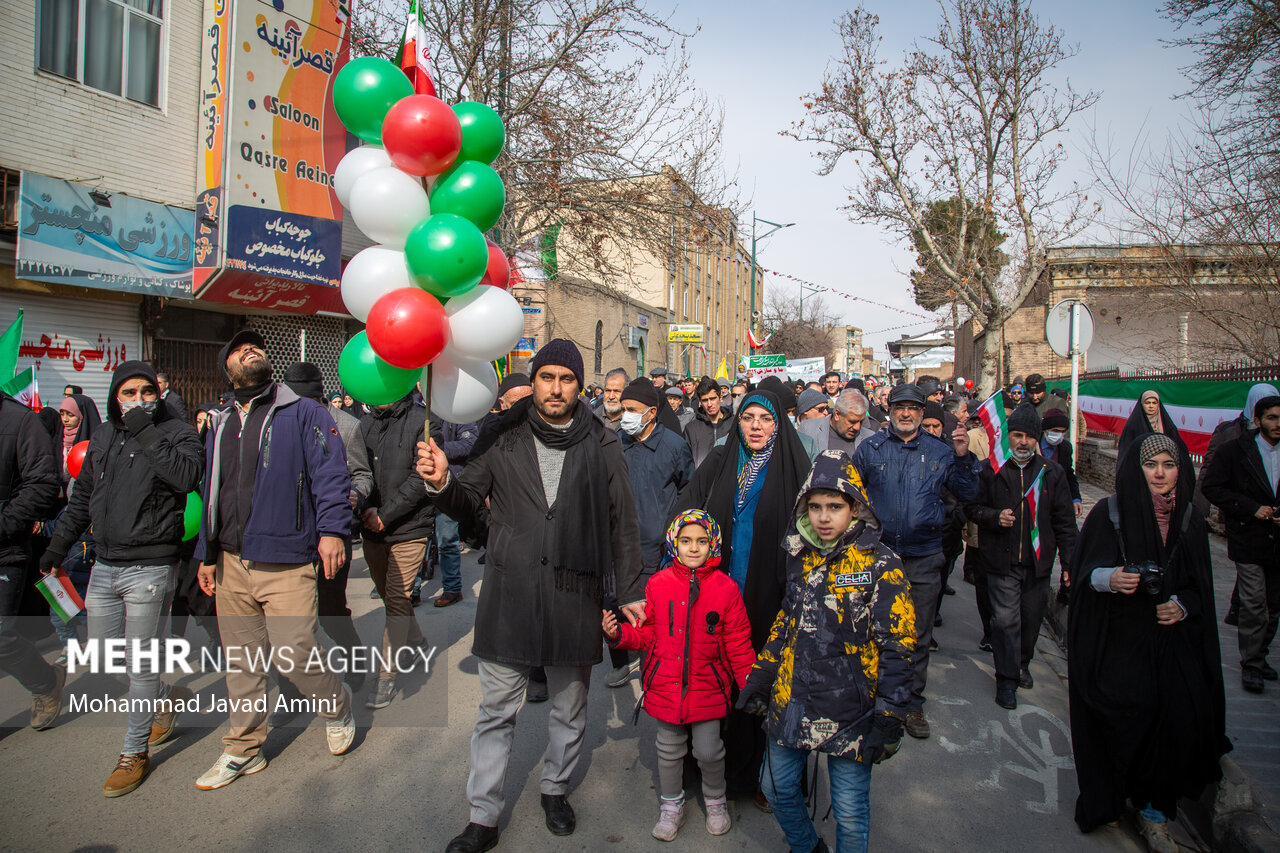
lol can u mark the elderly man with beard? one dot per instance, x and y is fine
(904, 470)
(276, 512)
(563, 536)
(610, 409)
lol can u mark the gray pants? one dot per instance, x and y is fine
(1018, 602)
(673, 743)
(132, 603)
(1259, 588)
(502, 694)
(925, 576)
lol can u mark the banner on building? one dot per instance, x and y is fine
(760, 366)
(806, 369)
(686, 333)
(72, 233)
(525, 348)
(269, 230)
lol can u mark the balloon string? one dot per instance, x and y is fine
(426, 400)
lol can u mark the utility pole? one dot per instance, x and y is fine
(777, 226)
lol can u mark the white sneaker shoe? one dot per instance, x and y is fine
(718, 820)
(228, 768)
(341, 732)
(670, 819)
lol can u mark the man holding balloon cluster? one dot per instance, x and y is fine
(132, 490)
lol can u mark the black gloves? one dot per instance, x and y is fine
(883, 740)
(51, 560)
(753, 702)
(136, 420)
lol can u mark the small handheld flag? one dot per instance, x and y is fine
(994, 421)
(63, 599)
(1033, 502)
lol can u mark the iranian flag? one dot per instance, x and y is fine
(1196, 406)
(997, 426)
(1033, 502)
(61, 595)
(414, 57)
(755, 342)
(24, 389)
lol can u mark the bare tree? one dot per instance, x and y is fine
(799, 328)
(597, 99)
(969, 115)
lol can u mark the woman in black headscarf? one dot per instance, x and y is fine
(1149, 416)
(749, 486)
(80, 419)
(1147, 709)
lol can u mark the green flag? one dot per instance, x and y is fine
(9, 342)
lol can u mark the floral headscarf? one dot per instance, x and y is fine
(694, 516)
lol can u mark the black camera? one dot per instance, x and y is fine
(1150, 577)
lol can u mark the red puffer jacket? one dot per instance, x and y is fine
(694, 652)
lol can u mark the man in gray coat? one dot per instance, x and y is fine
(845, 428)
(563, 538)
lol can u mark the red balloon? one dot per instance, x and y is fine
(408, 327)
(422, 135)
(968, 384)
(75, 458)
(499, 272)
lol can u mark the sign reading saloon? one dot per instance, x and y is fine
(64, 236)
(270, 231)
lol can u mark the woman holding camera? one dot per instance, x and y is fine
(1147, 708)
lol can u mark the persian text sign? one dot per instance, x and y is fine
(300, 248)
(806, 369)
(760, 366)
(686, 333)
(139, 246)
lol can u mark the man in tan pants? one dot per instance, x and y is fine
(276, 512)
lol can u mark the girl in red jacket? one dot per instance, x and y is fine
(698, 643)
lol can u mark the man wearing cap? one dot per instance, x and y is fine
(1038, 395)
(812, 404)
(660, 464)
(276, 512)
(710, 423)
(845, 429)
(904, 470)
(563, 535)
(679, 407)
(659, 377)
(1017, 390)
(1017, 572)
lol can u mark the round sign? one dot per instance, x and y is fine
(1057, 327)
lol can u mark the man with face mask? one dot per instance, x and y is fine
(1018, 568)
(610, 409)
(132, 490)
(661, 464)
(1054, 446)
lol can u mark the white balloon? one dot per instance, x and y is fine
(485, 323)
(371, 273)
(355, 163)
(462, 391)
(386, 204)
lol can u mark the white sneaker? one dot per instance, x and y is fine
(228, 768)
(341, 732)
(718, 820)
(670, 819)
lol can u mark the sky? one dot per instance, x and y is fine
(759, 58)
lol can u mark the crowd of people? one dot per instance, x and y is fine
(771, 557)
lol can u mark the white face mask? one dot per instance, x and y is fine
(1054, 438)
(632, 423)
(148, 406)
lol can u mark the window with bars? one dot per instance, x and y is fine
(114, 46)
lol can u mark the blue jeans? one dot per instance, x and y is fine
(850, 798)
(18, 655)
(450, 553)
(132, 602)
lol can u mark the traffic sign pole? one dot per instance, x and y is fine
(1075, 377)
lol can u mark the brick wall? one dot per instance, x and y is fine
(60, 128)
(573, 311)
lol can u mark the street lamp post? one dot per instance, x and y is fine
(777, 226)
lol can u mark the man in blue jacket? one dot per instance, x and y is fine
(904, 470)
(276, 512)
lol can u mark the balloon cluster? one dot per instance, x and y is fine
(433, 292)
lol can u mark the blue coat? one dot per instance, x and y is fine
(904, 481)
(300, 485)
(660, 466)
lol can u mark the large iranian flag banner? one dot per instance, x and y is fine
(1196, 406)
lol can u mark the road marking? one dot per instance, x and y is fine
(1031, 734)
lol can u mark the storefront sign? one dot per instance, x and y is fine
(525, 348)
(688, 333)
(123, 243)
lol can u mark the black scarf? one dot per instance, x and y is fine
(245, 394)
(1138, 427)
(582, 551)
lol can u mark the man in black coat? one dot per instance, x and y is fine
(1017, 565)
(563, 535)
(710, 421)
(28, 493)
(1244, 483)
(173, 402)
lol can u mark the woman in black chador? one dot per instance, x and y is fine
(1147, 710)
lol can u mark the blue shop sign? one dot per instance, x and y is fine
(72, 233)
(284, 245)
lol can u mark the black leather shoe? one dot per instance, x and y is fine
(474, 839)
(1025, 681)
(1268, 671)
(560, 818)
(1251, 681)
(1006, 696)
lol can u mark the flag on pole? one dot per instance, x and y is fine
(996, 424)
(722, 372)
(342, 10)
(414, 57)
(24, 389)
(9, 343)
(1033, 501)
(755, 342)
(61, 595)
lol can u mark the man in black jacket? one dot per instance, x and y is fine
(172, 401)
(1017, 565)
(710, 422)
(28, 493)
(132, 490)
(562, 535)
(398, 524)
(1244, 482)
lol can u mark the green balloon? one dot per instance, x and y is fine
(364, 90)
(482, 133)
(368, 378)
(191, 516)
(471, 190)
(446, 255)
